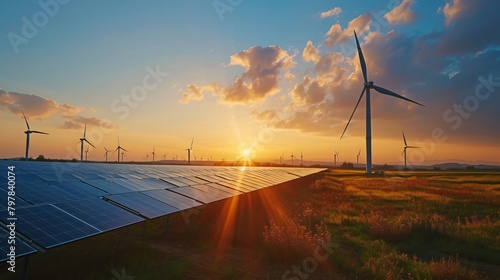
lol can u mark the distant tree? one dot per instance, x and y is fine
(469, 167)
(347, 165)
(40, 158)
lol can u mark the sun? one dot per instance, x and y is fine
(246, 152)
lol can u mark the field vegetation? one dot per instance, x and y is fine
(403, 225)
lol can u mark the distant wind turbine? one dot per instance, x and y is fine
(86, 153)
(407, 147)
(190, 150)
(106, 153)
(119, 149)
(84, 140)
(153, 153)
(164, 156)
(335, 157)
(147, 157)
(28, 132)
(292, 156)
(366, 88)
(301, 159)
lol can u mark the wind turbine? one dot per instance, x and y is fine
(123, 154)
(366, 88)
(292, 156)
(106, 154)
(28, 132)
(86, 153)
(119, 148)
(147, 157)
(84, 140)
(153, 153)
(301, 159)
(357, 157)
(335, 156)
(164, 156)
(190, 150)
(407, 147)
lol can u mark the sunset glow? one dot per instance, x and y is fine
(256, 81)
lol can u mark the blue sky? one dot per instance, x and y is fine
(91, 53)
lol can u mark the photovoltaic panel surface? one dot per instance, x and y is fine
(142, 204)
(49, 226)
(60, 202)
(22, 248)
(99, 213)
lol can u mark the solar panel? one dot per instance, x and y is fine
(99, 213)
(49, 226)
(199, 194)
(142, 204)
(78, 188)
(107, 186)
(41, 192)
(22, 248)
(171, 198)
(60, 202)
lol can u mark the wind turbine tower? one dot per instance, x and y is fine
(87, 153)
(119, 149)
(28, 132)
(407, 147)
(190, 150)
(367, 86)
(106, 153)
(82, 140)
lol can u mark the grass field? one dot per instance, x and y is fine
(333, 225)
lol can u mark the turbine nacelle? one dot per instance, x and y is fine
(369, 84)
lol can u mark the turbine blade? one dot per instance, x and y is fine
(39, 132)
(85, 131)
(124, 150)
(191, 148)
(393, 94)
(26, 120)
(89, 143)
(117, 138)
(412, 147)
(361, 59)
(403, 151)
(361, 96)
(404, 138)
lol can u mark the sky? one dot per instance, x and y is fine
(273, 78)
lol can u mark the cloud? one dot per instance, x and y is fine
(266, 115)
(337, 35)
(79, 122)
(402, 14)
(35, 106)
(331, 13)
(453, 9)
(310, 53)
(259, 80)
(470, 27)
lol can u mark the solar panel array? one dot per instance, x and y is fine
(61, 202)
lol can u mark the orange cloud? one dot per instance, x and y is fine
(79, 122)
(266, 115)
(259, 81)
(310, 53)
(337, 35)
(401, 14)
(34, 105)
(453, 9)
(331, 13)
